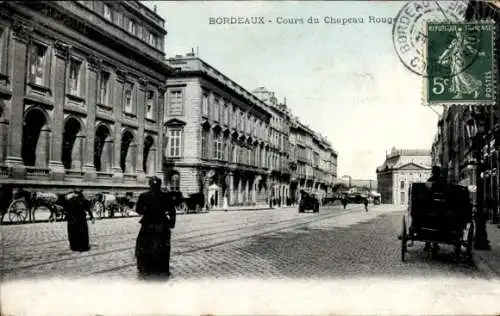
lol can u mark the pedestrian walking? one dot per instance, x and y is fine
(344, 201)
(77, 207)
(225, 205)
(365, 202)
(152, 249)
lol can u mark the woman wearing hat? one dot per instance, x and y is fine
(152, 249)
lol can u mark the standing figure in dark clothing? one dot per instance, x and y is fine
(77, 207)
(365, 202)
(152, 248)
(343, 199)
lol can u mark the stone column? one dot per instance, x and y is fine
(94, 66)
(247, 182)
(159, 140)
(151, 161)
(77, 152)
(20, 39)
(141, 106)
(61, 51)
(131, 159)
(4, 134)
(238, 198)
(117, 102)
(230, 180)
(42, 148)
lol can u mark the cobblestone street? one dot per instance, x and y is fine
(257, 244)
(329, 262)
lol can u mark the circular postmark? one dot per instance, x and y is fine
(409, 31)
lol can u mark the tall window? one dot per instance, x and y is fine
(174, 143)
(402, 198)
(132, 28)
(104, 89)
(2, 46)
(217, 110)
(218, 154)
(204, 104)
(150, 108)
(204, 143)
(175, 102)
(226, 113)
(74, 77)
(402, 184)
(107, 12)
(39, 61)
(118, 19)
(128, 98)
(225, 149)
(153, 40)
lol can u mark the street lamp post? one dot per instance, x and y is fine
(481, 236)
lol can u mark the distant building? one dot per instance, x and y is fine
(358, 183)
(401, 168)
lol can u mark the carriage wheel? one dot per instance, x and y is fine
(404, 239)
(18, 212)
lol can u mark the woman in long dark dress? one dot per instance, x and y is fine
(152, 249)
(77, 207)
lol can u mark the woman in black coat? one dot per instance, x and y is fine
(77, 207)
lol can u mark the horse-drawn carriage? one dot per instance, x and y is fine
(20, 205)
(194, 203)
(112, 204)
(439, 213)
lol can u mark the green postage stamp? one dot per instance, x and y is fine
(460, 63)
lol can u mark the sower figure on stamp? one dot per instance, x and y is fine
(152, 249)
(77, 207)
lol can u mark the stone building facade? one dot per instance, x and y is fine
(81, 91)
(400, 169)
(224, 141)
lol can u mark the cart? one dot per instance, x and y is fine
(439, 213)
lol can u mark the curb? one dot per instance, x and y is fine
(482, 265)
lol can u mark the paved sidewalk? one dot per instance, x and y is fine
(491, 257)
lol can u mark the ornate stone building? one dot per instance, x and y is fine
(401, 168)
(225, 141)
(217, 136)
(81, 94)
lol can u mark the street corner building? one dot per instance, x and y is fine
(401, 168)
(81, 92)
(230, 143)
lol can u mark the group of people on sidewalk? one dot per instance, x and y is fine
(152, 249)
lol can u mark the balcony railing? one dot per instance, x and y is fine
(37, 171)
(4, 171)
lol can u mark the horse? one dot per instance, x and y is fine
(54, 202)
(125, 203)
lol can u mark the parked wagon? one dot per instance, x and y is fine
(439, 213)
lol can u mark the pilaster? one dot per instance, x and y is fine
(94, 66)
(61, 52)
(21, 34)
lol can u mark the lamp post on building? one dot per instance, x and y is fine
(476, 132)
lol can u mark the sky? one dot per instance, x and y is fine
(344, 81)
